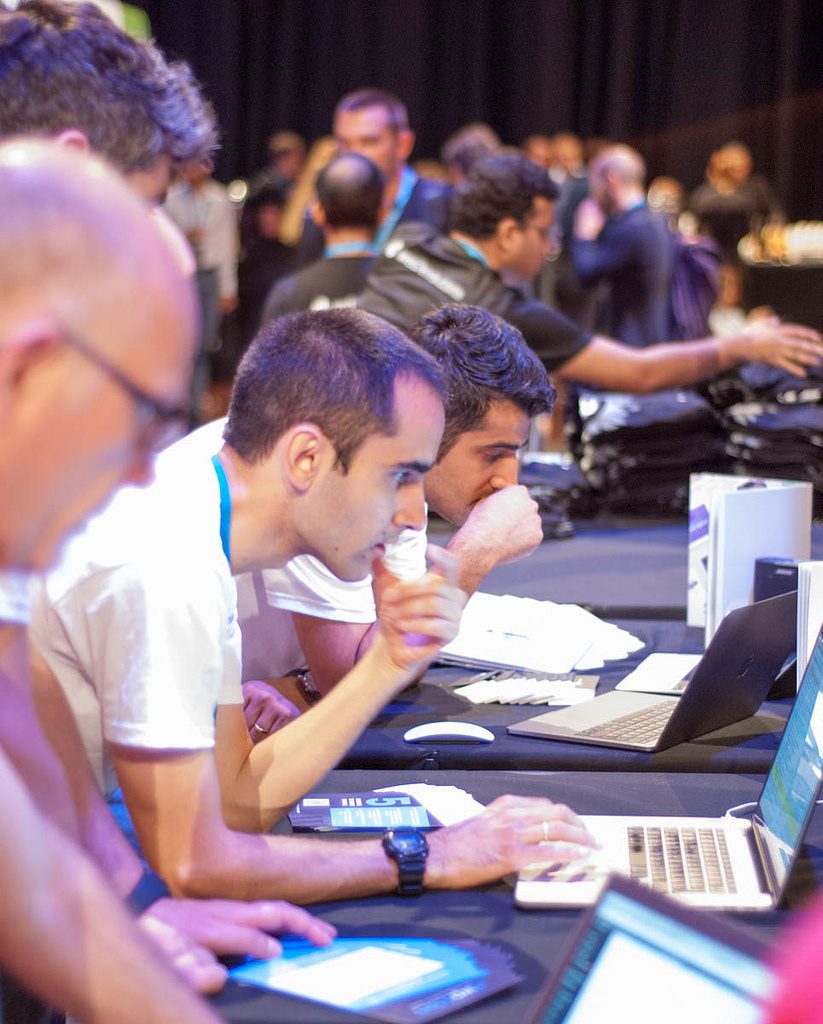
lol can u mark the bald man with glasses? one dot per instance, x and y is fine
(95, 347)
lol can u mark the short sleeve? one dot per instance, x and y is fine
(159, 649)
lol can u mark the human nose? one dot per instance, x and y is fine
(411, 512)
(504, 475)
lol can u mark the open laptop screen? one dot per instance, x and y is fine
(645, 960)
(792, 785)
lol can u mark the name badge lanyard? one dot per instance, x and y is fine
(472, 250)
(225, 507)
(348, 249)
(386, 229)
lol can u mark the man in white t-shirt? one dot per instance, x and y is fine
(335, 418)
(302, 615)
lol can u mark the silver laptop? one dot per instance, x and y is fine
(640, 957)
(730, 683)
(728, 862)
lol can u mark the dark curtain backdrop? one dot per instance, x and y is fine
(676, 78)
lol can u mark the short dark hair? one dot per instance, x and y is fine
(504, 185)
(69, 66)
(360, 99)
(332, 367)
(483, 359)
(350, 191)
(270, 191)
(468, 145)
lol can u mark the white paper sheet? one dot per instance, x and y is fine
(535, 636)
(448, 804)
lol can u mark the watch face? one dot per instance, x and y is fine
(408, 843)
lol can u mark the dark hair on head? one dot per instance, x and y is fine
(468, 145)
(483, 359)
(360, 99)
(269, 192)
(504, 185)
(67, 66)
(335, 368)
(350, 191)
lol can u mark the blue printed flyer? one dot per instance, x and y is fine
(356, 812)
(389, 979)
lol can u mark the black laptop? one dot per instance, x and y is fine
(731, 682)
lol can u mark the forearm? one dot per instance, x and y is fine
(681, 364)
(22, 738)
(97, 831)
(300, 870)
(280, 770)
(175, 804)
(608, 364)
(65, 935)
(474, 562)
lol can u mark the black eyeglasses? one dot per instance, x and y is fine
(161, 422)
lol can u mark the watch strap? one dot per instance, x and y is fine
(411, 865)
(149, 889)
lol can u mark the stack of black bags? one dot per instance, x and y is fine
(637, 451)
(773, 423)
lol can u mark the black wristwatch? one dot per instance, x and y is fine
(408, 848)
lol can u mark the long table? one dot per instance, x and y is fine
(746, 746)
(629, 570)
(535, 938)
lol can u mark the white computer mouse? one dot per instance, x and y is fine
(448, 732)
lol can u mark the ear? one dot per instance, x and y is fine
(20, 352)
(506, 234)
(73, 138)
(405, 143)
(316, 214)
(306, 453)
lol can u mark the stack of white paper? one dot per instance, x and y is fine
(506, 688)
(809, 611)
(535, 636)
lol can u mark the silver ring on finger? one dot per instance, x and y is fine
(259, 728)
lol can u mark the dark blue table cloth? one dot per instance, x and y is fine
(536, 939)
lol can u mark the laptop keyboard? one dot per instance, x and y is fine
(677, 859)
(638, 727)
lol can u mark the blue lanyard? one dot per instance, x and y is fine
(348, 249)
(407, 182)
(225, 507)
(471, 250)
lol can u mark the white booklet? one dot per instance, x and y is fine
(534, 636)
(732, 522)
(661, 673)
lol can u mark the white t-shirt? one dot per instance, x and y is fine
(15, 597)
(139, 620)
